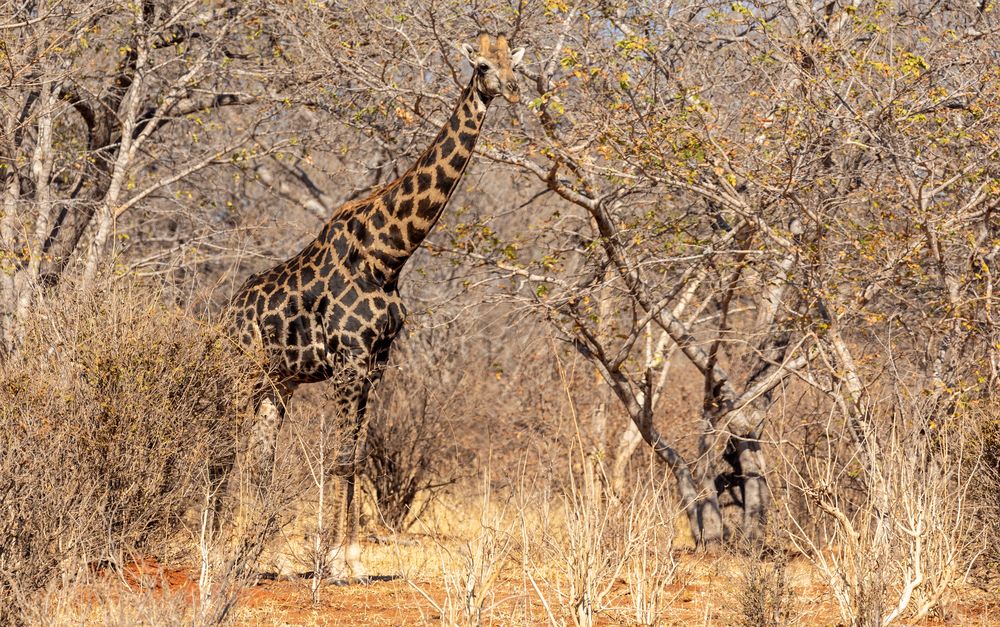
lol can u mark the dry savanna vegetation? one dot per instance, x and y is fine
(708, 334)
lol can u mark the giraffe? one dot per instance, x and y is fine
(332, 311)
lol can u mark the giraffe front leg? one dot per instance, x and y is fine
(345, 557)
(352, 546)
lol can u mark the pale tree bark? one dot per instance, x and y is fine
(660, 357)
(120, 169)
(9, 330)
(41, 169)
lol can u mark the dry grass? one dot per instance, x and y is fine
(117, 409)
(437, 569)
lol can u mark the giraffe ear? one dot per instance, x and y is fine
(516, 56)
(469, 52)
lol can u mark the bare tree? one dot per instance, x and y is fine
(108, 106)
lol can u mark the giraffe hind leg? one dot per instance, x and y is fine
(261, 450)
(264, 441)
(269, 414)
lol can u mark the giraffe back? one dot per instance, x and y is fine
(321, 311)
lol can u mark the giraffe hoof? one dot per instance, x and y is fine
(285, 568)
(349, 581)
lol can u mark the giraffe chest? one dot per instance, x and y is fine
(323, 328)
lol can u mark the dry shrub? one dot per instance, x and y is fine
(981, 460)
(651, 566)
(470, 583)
(765, 593)
(602, 538)
(896, 549)
(111, 414)
(410, 454)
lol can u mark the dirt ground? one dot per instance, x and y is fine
(705, 591)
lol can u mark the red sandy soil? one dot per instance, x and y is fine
(706, 592)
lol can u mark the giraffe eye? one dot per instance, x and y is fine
(483, 68)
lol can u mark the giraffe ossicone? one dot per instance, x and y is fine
(333, 310)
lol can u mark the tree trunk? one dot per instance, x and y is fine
(753, 484)
(627, 443)
(700, 505)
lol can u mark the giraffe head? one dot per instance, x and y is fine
(493, 66)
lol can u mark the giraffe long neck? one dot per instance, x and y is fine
(405, 211)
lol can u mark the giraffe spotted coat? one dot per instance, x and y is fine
(333, 310)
